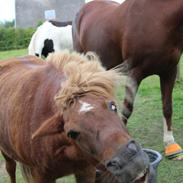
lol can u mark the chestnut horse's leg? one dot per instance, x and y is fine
(172, 149)
(10, 167)
(178, 72)
(86, 176)
(41, 179)
(35, 176)
(38, 179)
(133, 81)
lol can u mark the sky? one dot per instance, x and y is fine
(7, 10)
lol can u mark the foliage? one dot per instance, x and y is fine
(7, 24)
(40, 22)
(11, 38)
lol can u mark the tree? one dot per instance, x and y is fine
(7, 24)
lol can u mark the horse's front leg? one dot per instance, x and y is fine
(35, 176)
(86, 176)
(10, 167)
(172, 149)
(133, 81)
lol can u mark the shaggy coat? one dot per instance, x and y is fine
(58, 117)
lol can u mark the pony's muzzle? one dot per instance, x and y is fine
(130, 164)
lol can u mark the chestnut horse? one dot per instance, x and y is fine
(59, 117)
(144, 37)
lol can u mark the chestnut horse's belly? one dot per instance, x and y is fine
(110, 58)
(107, 49)
(149, 63)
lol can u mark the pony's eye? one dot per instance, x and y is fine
(112, 106)
(73, 134)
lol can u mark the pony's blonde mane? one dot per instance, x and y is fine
(84, 74)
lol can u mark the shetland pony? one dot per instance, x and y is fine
(59, 117)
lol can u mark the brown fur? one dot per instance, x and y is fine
(28, 110)
(83, 76)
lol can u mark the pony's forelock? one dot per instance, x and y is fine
(84, 74)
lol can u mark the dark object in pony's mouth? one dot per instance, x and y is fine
(142, 178)
(149, 175)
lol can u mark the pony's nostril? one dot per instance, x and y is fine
(114, 163)
(132, 150)
(73, 134)
(132, 147)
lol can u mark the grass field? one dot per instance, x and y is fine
(145, 124)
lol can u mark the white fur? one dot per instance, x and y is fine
(61, 36)
(85, 107)
(168, 137)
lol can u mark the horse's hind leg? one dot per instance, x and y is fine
(38, 177)
(86, 176)
(10, 167)
(133, 81)
(42, 180)
(172, 149)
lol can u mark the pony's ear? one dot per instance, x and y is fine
(53, 125)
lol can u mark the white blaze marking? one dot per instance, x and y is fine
(168, 135)
(85, 107)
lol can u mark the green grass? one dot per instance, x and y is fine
(145, 124)
(12, 53)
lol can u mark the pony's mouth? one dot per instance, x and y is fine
(142, 177)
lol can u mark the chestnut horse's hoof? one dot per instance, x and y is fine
(174, 152)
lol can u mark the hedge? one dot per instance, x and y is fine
(11, 38)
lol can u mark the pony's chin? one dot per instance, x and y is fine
(142, 178)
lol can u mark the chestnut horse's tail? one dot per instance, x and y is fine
(26, 172)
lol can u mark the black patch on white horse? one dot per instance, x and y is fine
(48, 47)
(60, 24)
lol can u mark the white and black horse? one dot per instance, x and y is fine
(51, 36)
